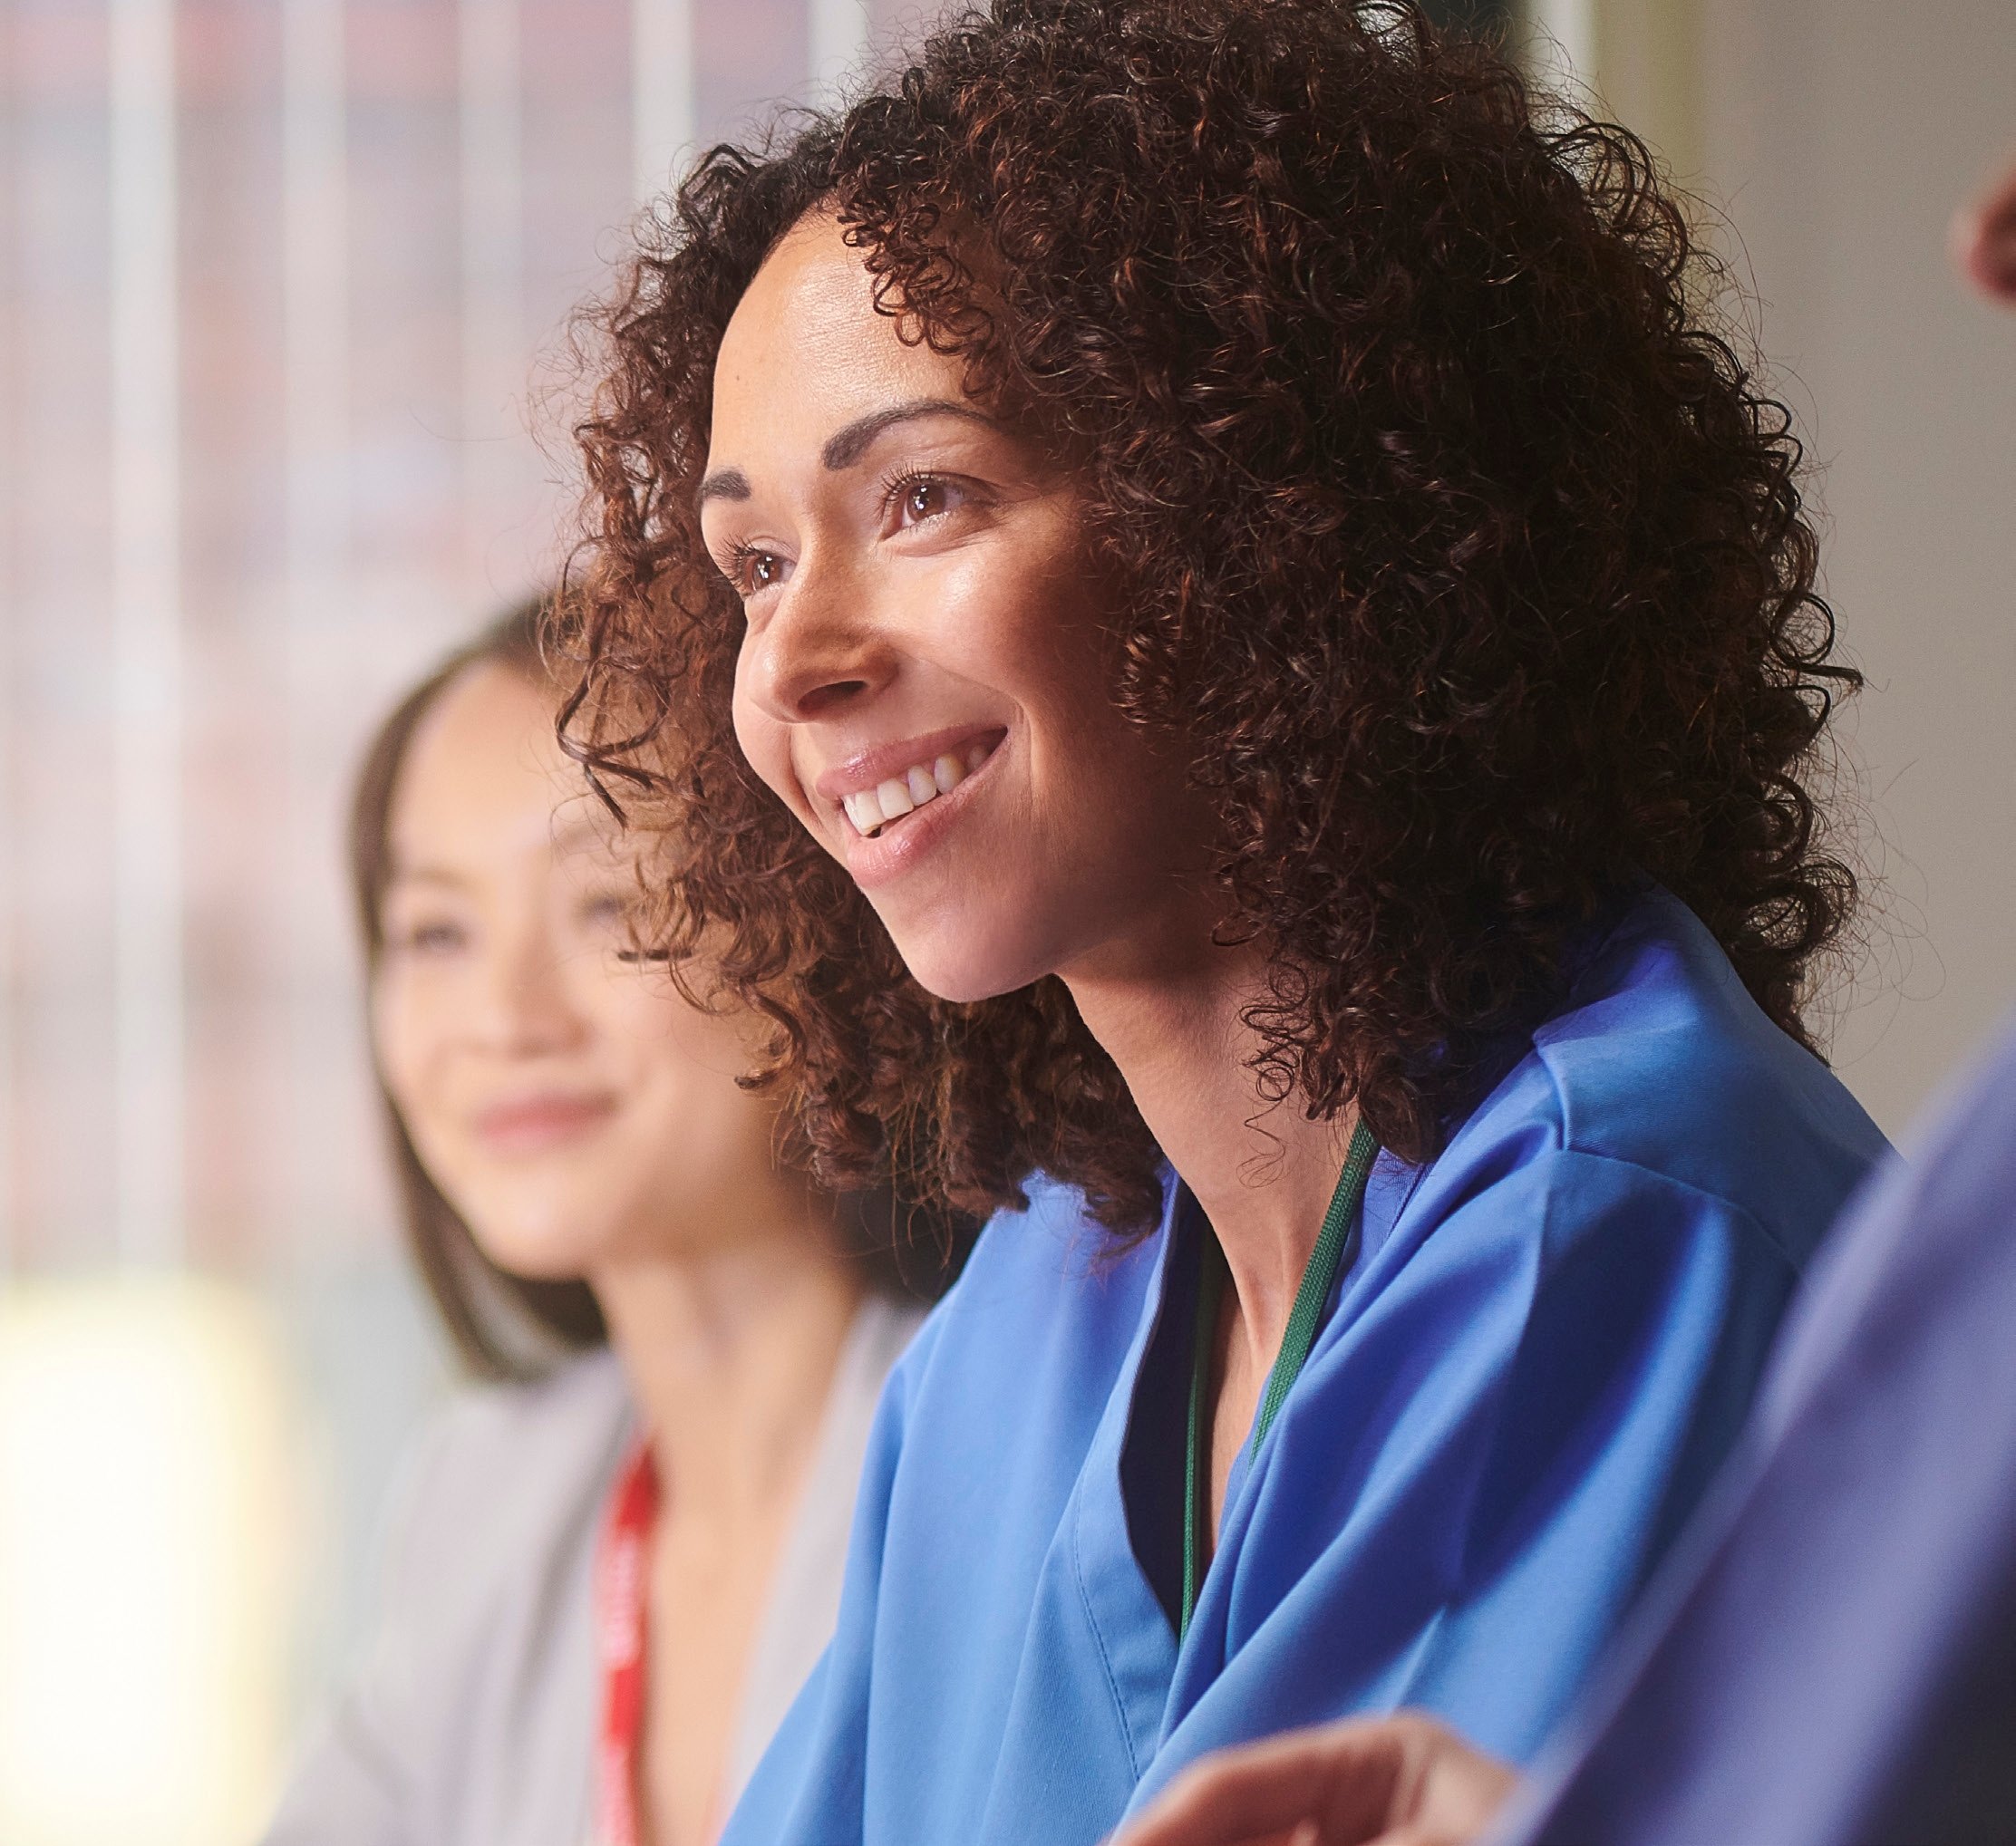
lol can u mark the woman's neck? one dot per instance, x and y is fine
(1263, 1172)
(729, 1353)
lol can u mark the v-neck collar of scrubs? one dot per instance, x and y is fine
(1125, 1529)
(1327, 1259)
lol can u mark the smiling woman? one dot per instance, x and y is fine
(584, 1171)
(1201, 624)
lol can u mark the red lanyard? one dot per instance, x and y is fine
(622, 1606)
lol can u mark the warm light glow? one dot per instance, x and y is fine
(144, 1489)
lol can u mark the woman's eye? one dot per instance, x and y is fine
(429, 939)
(925, 496)
(752, 569)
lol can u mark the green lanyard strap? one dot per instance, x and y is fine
(1304, 1318)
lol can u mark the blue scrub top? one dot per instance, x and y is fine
(1543, 1348)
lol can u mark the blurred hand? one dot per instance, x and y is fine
(1984, 241)
(1403, 1781)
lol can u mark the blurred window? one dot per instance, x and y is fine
(284, 288)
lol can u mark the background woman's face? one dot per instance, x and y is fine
(923, 677)
(566, 1102)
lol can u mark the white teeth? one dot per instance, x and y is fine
(871, 809)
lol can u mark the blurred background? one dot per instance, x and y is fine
(283, 395)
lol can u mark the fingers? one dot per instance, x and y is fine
(1449, 1792)
(1327, 1787)
(1399, 1781)
(1984, 242)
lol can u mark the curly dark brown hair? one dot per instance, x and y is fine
(1452, 528)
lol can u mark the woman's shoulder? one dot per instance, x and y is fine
(1660, 1060)
(469, 1710)
(505, 1476)
(1048, 1300)
(560, 1419)
(1054, 1249)
(1023, 1251)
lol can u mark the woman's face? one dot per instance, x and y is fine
(923, 676)
(571, 1107)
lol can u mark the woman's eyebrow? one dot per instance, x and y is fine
(723, 484)
(424, 874)
(846, 446)
(576, 832)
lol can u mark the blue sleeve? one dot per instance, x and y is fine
(1609, 1404)
(1510, 1415)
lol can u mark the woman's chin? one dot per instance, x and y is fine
(538, 1252)
(953, 972)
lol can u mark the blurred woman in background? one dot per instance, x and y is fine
(618, 1561)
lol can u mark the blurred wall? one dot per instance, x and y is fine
(1833, 139)
(1841, 134)
(283, 386)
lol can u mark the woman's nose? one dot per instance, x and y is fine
(818, 649)
(525, 1007)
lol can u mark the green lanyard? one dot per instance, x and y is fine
(1324, 1262)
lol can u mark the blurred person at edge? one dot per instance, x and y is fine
(1830, 1659)
(656, 1305)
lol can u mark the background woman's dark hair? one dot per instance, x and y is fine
(510, 1326)
(1448, 529)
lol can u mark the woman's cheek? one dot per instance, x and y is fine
(392, 1036)
(416, 1022)
(765, 748)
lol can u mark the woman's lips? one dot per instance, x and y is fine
(872, 810)
(533, 1123)
(905, 770)
(874, 859)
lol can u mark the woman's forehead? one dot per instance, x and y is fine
(807, 347)
(483, 766)
(811, 286)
